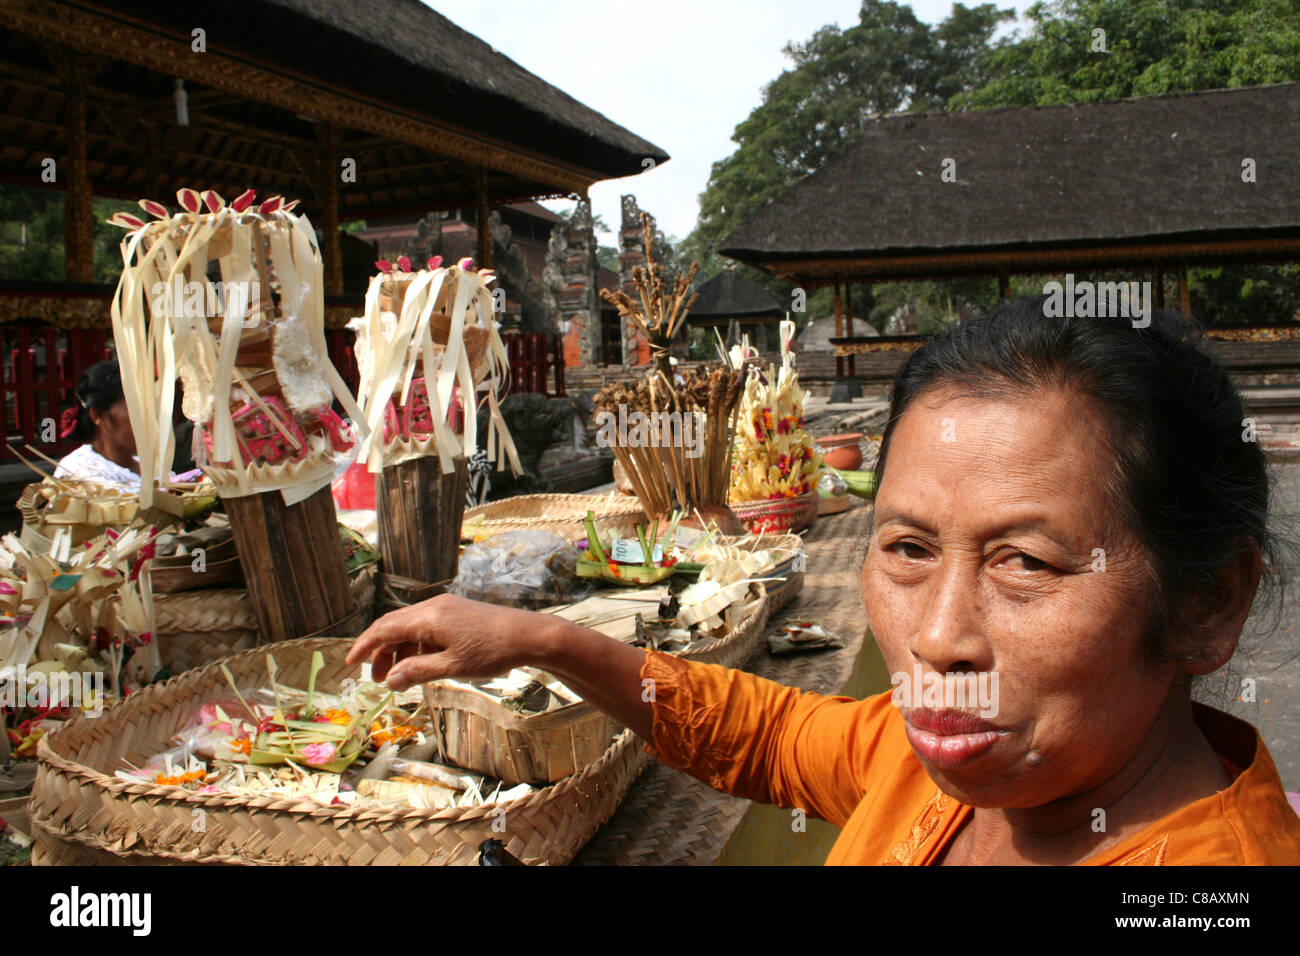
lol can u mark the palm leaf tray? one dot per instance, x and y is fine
(82, 814)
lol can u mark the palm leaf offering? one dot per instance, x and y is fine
(369, 747)
(601, 561)
(424, 334)
(78, 609)
(249, 347)
(774, 457)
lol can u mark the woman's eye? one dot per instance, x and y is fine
(1028, 562)
(910, 550)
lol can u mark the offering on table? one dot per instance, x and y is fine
(774, 457)
(617, 562)
(249, 349)
(670, 432)
(426, 347)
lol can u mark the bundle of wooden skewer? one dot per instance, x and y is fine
(659, 310)
(684, 460)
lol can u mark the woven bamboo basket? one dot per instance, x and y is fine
(81, 813)
(197, 627)
(478, 733)
(560, 514)
(779, 515)
(734, 648)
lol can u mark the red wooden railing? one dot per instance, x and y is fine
(533, 356)
(40, 365)
(39, 369)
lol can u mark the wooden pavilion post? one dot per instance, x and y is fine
(326, 188)
(1004, 285)
(1160, 286)
(848, 316)
(839, 330)
(483, 213)
(1184, 293)
(78, 209)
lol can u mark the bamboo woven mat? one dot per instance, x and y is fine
(670, 818)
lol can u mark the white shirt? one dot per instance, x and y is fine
(89, 465)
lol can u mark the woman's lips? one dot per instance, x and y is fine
(947, 739)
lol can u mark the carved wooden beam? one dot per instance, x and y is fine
(90, 32)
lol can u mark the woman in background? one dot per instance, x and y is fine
(101, 422)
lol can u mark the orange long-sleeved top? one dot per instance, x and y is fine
(848, 762)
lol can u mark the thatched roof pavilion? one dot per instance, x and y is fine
(731, 295)
(1137, 183)
(375, 109)
(1148, 184)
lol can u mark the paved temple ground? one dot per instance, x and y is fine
(1271, 657)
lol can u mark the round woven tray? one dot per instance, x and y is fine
(197, 627)
(81, 813)
(779, 515)
(559, 514)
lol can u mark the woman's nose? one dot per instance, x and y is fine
(950, 637)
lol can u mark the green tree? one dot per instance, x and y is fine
(888, 62)
(1084, 51)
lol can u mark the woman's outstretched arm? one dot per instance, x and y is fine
(449, 636)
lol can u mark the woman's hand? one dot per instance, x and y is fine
(450, 636)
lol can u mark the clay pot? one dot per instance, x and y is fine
(841, 452)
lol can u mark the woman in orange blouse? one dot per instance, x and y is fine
(1069, 527)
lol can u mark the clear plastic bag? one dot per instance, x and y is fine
(527, 569)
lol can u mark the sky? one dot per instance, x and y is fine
(679, 73)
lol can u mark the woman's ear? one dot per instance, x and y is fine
(96, 416)
(1214, 620)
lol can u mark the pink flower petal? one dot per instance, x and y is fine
(289, 205)
(155, 209)
(125, 220)
(317, 755)
(243, 200)
(466, 263)
(189, 199)
(435, 261)
(404, 263)
(271, 205)
(383, 265)
(212, 199)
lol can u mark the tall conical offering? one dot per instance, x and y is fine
(229, 300)
(427, 348)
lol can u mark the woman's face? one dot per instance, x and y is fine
(997, 552)
(113, 426)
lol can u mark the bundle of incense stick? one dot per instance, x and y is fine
(677, 453)
(250, 348)
(658, 311)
